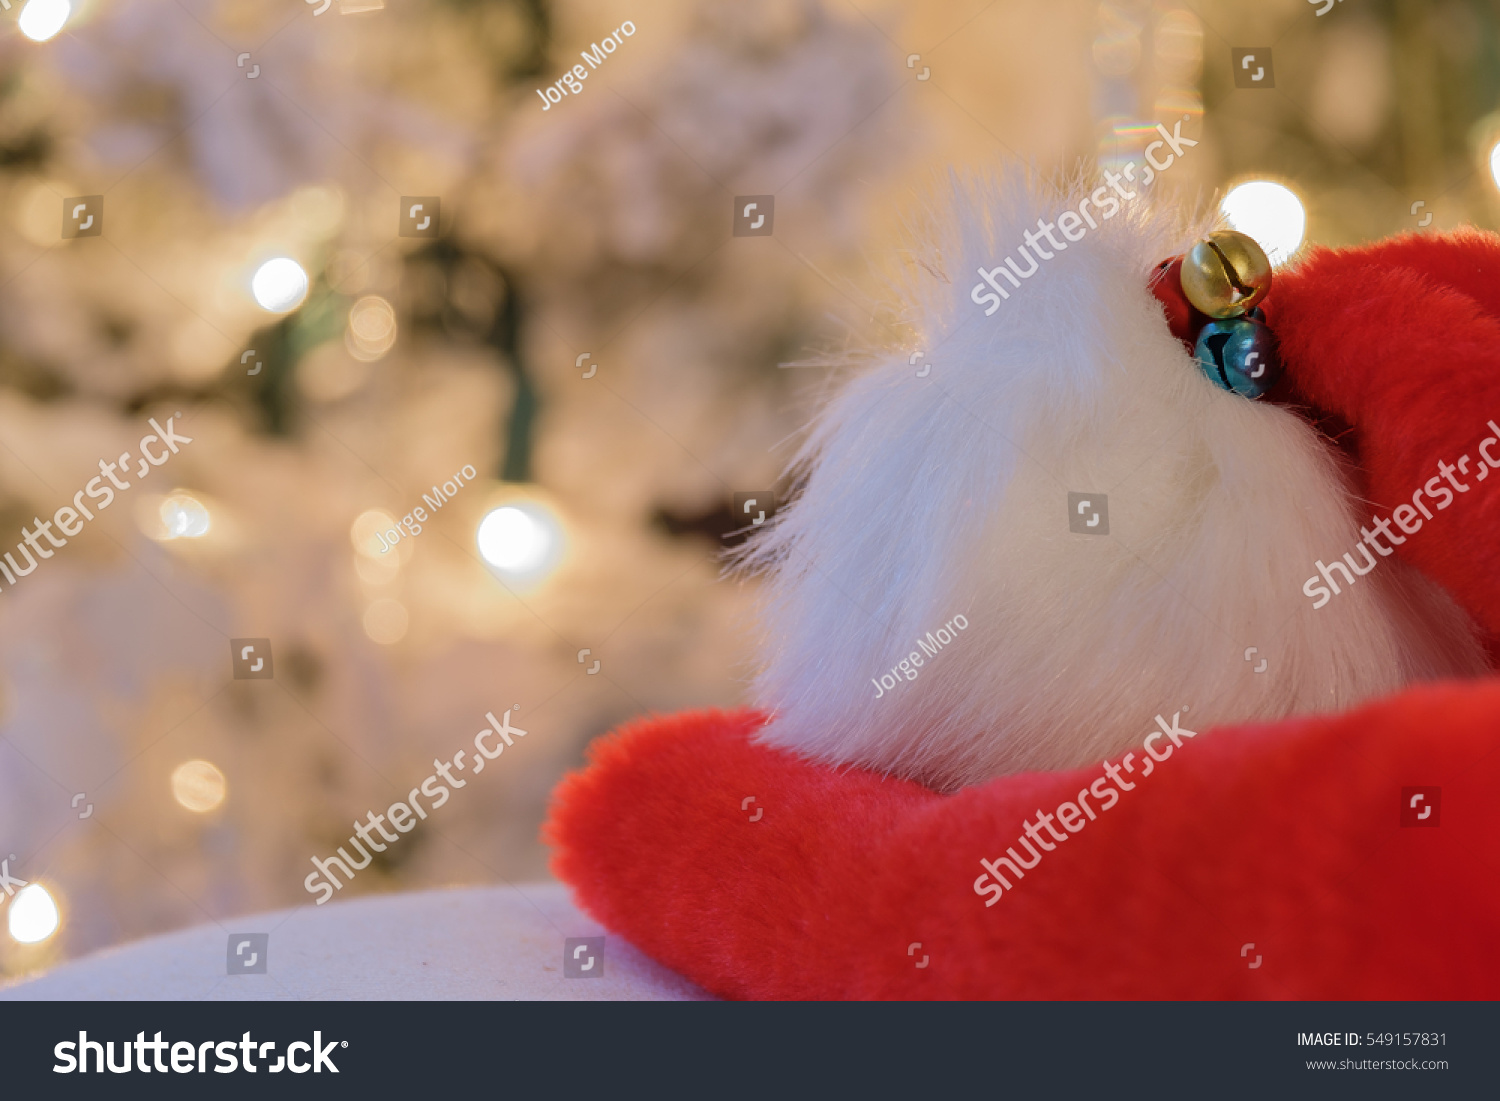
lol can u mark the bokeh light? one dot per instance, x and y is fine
(42, 19)
(184, 517)
(1269, 212)
(1179, 59)
(372, 328)
(1117, 46)
(512, 539)
(386, 621)
(198, 786)
(365, 532)
(279, 285)
(33, 914)
(522, 540)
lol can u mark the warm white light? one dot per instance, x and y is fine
(523, 542)
(510, 539)
(41, 19)
(1269, 212)
(377, 572)
(198, 786)
(33, 914)
(372, 328)
(367, 532)
(386, 621)
(184, 517)
(1495, 163)
(279, 285)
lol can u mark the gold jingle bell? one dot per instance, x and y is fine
(1226, 274)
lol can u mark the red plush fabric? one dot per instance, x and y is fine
(1286, 837)
(1402, 341)
(1260, 861)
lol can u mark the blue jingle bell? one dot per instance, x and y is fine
(1239, 354)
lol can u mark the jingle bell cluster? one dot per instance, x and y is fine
(1226, 276)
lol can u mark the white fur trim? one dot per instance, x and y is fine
(925, 498)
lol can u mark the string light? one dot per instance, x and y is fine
(279, 285)
(510, 539)
(198, 786)
(184, 517)
(33, 914)
(41, 19)
(372, 328)
(386, 620)
(523, 541)
(1269, 212)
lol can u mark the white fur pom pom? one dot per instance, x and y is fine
(927, 499)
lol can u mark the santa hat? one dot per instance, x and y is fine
(956, 494)
(1286, 857)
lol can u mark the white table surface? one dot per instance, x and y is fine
(471, 943)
